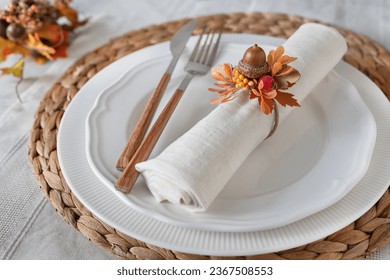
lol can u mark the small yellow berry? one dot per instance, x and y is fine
(234, 79)
(245, 81)
(241, 77)
(241, 84)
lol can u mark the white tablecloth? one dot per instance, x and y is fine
(29, 226)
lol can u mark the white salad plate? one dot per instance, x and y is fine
(323, 168)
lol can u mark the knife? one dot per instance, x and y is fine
(177, 45)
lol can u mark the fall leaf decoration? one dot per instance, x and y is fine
(226, 83)
(35, 44)
(285, 76)
(272, 77)
(35, 28)
(15, 70)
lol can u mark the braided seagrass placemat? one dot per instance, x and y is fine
(356, 241)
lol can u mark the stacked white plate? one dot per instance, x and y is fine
(326, 165)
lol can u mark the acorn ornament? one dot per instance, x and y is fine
(253, 63)
(16, 32)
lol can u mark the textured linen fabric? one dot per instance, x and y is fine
(195, 168)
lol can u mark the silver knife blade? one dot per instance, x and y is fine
(179, 41)
(177, 45)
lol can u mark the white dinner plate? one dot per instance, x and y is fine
(116, 210)
(329, 146)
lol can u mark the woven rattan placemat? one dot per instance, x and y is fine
(367, 234)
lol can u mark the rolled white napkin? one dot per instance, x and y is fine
(197, 166)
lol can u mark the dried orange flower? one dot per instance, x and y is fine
(226, 84)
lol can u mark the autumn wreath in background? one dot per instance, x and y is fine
(37, 29)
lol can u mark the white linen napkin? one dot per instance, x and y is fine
(196, 167)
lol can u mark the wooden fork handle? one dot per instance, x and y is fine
(143, 123)
(129, 176)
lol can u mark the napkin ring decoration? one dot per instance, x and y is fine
(262, 77)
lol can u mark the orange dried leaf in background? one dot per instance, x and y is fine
(285, 98)
(70, 14)
(67, 12)
(9, 47)
(15, 70)
(35, 43)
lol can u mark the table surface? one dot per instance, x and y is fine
(29, 226)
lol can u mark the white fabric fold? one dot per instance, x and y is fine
(196, 167)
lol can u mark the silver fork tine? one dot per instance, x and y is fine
(200, 54)
(214, 50)
(195, 51)
(208, 44)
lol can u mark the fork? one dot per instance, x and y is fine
(199, 64)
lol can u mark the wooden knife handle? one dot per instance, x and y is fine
(143, 123)
(129, 176)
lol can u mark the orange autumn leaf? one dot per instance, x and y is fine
(224, 95)
(285, 98)
(278, 62)
(285, 71)
(270, 94)
(288, 79)
(270, 58)
(265, 98)
(278, 53)
(218, 76)
(228, 70)
(266, 105)
(9, 47)
(226, 87)
(285, 59)
(70, 13)
(35, 43)
(15, 70)
(276, 68)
